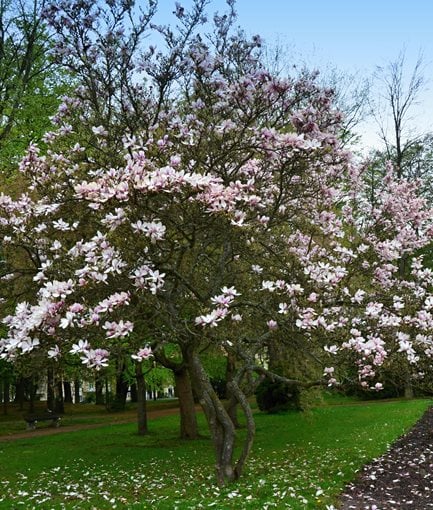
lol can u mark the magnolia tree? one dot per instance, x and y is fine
(232, 219)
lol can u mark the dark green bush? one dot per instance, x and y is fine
(220, 387)
(274, 396)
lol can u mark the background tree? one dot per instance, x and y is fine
(30, 83)
(398, 94)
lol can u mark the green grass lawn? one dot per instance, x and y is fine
(299, 461)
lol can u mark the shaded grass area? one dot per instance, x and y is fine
(77, 414)
(299, 461)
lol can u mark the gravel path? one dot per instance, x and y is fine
(402, 478)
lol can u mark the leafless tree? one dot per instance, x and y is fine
(399, 93)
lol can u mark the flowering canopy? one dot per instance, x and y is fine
(213, 221)
(210, 204)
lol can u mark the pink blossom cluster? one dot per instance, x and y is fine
(222, 303)
(146, 277)
(143, 354)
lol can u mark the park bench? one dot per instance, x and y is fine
(33, 418)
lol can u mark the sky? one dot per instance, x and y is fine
(353, 36)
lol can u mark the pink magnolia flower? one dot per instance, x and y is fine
(142, 354)
(358, 296)
(272, 325)
(268, 285)
(373, 309)
(99, 131)
(97, 358)
(283, 308)
(118, 329)
(54, 352)
(255, 268)
(211, 319)
(230, 291)
(68, 320)
(312, 297)
(81, 347)
(76, 308)
(333, 349)
(29, 344)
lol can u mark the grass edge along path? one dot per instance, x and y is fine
(299, 461)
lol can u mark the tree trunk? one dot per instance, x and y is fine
(188, 418)
(50, 389)
(185, 394)
(232, 411)
(59, 406)
(221, 426)
(235, 390)
(107, 394)
(141, 400)
(121, 392)
(20, 392)
(119, 401)
(76, 391)
(232, 403)
(33, 389)
(134, 396)
(6, 396)
(408, 387)
(67, 389)
(99, 394)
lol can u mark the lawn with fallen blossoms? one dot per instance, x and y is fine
(299, 461)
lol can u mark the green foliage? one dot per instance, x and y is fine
(215, 364)
(90, 397)
(275, 396)
(6, 371)
(158, 378)
(31, 122)
(29, 84)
